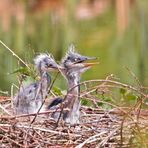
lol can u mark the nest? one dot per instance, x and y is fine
(99, 127)
(117, 127)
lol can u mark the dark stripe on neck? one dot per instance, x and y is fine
(78, 89)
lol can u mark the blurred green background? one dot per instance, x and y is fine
(116, 31)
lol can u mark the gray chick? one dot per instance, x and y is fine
(72, 67)
(30, 98)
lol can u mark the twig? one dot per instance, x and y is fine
(135, 77)
(94, 138)
(5, 97)
(5, 110)
(26, 115)
(4, 92)
(13, 141)
(102, 143)
(114, 82)
(14, 54)
(50, 87)
(42, 129)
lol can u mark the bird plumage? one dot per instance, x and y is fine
(74, 66)
(30, 98)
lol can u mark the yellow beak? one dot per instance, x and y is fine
(90, 64)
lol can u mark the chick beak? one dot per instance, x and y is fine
(55, 67)
(60, 68)
(88, 62)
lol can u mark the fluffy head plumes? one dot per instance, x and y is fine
(74, 62)
(44, 61)
(71, 55)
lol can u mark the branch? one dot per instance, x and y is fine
(14, 54)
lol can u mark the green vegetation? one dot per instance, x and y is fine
(94, 37)
(120, 76)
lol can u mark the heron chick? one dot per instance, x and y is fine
(72, 66)
(30, 98)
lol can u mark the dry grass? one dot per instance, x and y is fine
(99, 127)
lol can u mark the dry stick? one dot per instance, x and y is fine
(61, 112)
(137, 80)
(139, 108)
(11, 140)
(5, 110)
(100, 80)
(135, 77)
(50, 87)
(31, 135)
(109, 104)
(121, 132)
(26, 115)
(117, 83)
(90, 139)
(110, 81)
(4, 92)
(10, 133)
(14, 54)
(84, 95)
(4, 97)
(124, 85)
(122, 123)
(33, 114)
(41, 129)
(102, 143)
(62, 105)
(129, 126)
(126, 113)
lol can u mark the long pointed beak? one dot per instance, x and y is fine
(90, 64)
(86, 59)
(87, 63)
(91, 58)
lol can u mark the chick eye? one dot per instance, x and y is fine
(49, 65)
(76, 59)
(68, 58)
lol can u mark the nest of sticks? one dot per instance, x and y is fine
(114, 127)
